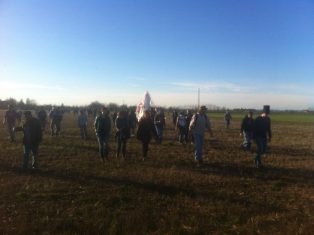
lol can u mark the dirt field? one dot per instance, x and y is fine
(73, 192)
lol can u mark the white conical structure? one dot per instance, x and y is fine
(144, 105)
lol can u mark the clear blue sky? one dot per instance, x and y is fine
(239, 53)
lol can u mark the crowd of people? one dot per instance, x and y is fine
(190, 128)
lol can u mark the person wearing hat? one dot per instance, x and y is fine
(262, 130)
(198, 125)
(10, 118)
(31, 140)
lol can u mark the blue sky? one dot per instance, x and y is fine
(239, 53)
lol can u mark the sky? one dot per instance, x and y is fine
(240, 53)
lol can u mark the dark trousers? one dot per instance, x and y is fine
(182, 134)
(83, 130)
(261, 144)
(10, 128)
(145, 148)
(27, 150)
(103, 141)
(121, 145)
(55, 127)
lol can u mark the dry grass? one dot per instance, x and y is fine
(74, 193)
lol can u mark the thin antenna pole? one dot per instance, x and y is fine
(198, 98)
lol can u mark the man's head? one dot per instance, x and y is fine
(250, 114)
(202, 109)
(104, 111)
(27, 114)
(146, 114)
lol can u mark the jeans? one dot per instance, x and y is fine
(182, 134)
(247, 139)
(103, 141)
(10, 128)
(27, 150)
(261, 144)
(199, 142)
(159, 131)
(55, 127)
(121, 144)
(83, 130)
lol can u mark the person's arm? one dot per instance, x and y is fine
(5, 118)
(242, 126)
(209, 128)
(269, 130)
(96, 124)
(192, 123)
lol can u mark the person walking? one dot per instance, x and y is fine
(198, 125)
(188, 135)
(31, 140)
(247, 127)
(102, 127)
(56, 117)
(82, 124)
(9, 121)
(160, 123)
(123, 132)
(174, 117)
(42, 116)
(228, 119)
(262, 130)
(132, 122)
(145, 131)
(181, 125)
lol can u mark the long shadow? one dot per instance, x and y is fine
(267, 173)
(77, 146)
(168, 190)
(293, 152)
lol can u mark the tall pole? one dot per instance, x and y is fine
(198, 99)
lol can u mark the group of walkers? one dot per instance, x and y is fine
(258, 130)
(151, 125)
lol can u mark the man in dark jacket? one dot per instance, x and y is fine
(262, 130)
(246, 131)
(122, 132)
(56, 117)
(102, 127)
(42, 116)
(10, 118)
(145, 131)
(32, 138)
(160, 123)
